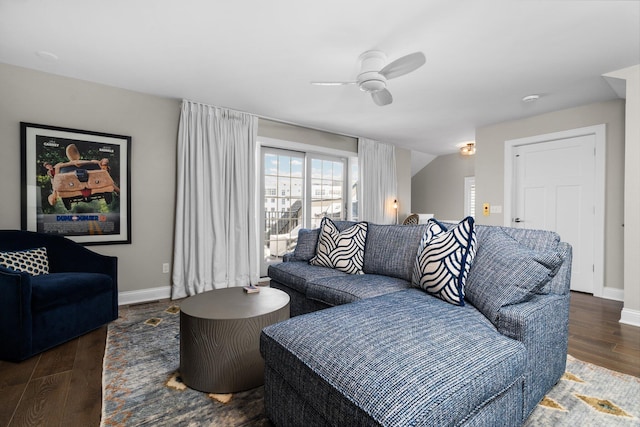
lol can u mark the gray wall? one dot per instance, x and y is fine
(490, 168)
(152, 122)
(439, 187)
(287, 132)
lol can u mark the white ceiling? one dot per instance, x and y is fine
(259, 57)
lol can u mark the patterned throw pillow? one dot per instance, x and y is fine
(32, 261)
(344, 250)
(444, 259)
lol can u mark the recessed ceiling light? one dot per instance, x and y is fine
(47, 56)
(530, 98)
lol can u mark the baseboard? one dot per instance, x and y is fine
(630, 317)
(613, 293)
(144, 295)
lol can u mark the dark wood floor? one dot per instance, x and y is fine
(62, 387)
(596, 336)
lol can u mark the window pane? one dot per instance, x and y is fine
(316, 168)
(327, 169)
(270, 164)
(337, 171)
(297, 166)
(297, 187)
(284, 165)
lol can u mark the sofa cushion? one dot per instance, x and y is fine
(57, 289)
(403, 359)
(306, 245)
(295, 274)
(507, 272)
(345, 289)
(538, 240)
(342, 250)
(32, 261)
(391, 249)
(444, 259)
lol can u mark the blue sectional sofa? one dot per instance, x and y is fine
(77, 293)
(370, 349)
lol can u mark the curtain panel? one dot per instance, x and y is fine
(216, 227)
(378, 181)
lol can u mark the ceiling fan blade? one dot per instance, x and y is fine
(382, 97)
(404, 65)
(332, 83)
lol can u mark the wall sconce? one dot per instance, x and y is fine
(395, 206)
(469, 149)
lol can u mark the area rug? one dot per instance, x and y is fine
(142, 385)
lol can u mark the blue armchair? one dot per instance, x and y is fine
(79, 294)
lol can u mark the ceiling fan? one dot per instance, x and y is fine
(374, 73)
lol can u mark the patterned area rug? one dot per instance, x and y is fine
(142, 386)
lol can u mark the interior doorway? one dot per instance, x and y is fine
(556, 182)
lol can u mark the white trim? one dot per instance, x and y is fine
(630, 317)
(613, 293)
(600, 133)
(144, 295)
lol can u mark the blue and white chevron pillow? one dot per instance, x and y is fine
(444, 259)
(344, 250)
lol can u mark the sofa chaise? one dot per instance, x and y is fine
(373, 349)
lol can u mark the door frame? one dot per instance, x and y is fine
(600, 133)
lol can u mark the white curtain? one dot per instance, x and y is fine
(216, 226)
(378, 182)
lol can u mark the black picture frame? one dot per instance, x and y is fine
(76, 183)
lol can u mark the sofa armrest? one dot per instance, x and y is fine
(542, 325)
(15, 314)
(291, 257)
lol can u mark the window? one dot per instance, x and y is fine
(298, 189)
(470, 196)
(283, 177)
(327, 186)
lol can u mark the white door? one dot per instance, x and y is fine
(555, 190)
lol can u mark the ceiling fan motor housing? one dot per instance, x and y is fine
(369, 79)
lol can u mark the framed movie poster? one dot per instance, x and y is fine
(76, 184)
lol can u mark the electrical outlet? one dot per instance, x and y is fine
(165, 267)
(486, 209)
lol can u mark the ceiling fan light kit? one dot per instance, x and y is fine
(371, 81)
(374, 73)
